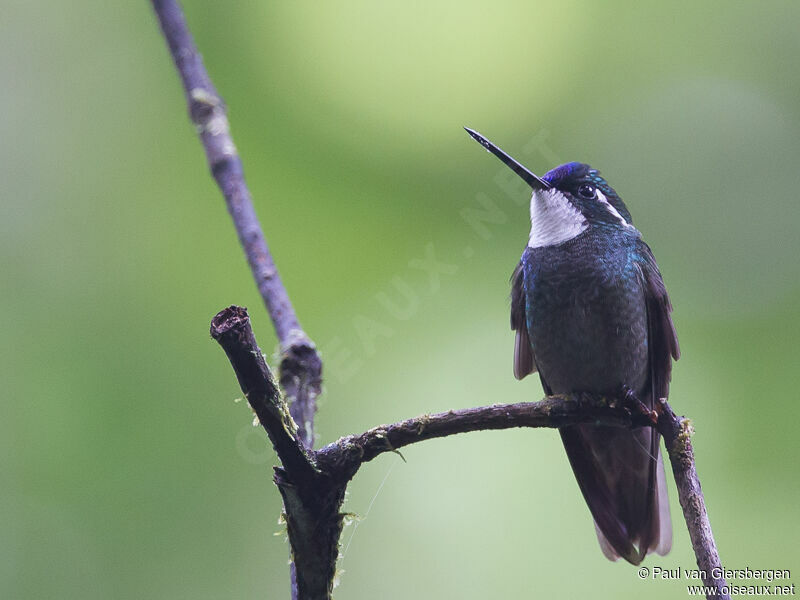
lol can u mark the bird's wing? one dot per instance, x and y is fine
(620, 472)
(663, 348)
(662, 339)
(524, 363)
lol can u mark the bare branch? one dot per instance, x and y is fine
(301, 369)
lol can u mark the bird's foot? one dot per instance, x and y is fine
(636, 407)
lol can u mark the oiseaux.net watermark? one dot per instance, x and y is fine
(745, 581)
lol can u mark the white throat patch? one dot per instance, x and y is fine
(553, 219)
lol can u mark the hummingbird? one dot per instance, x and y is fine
(591, 314)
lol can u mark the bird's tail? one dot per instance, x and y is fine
(621, 475)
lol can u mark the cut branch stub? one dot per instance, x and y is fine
(231, 328)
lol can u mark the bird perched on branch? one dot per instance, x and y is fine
(592, 315)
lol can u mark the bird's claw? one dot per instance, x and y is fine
(636, 407)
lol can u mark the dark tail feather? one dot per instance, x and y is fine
(623, 483)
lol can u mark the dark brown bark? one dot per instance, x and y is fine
(231, 328)
(350, 452)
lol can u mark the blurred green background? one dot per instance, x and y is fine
(129, 472)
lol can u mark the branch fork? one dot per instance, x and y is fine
(312, 482)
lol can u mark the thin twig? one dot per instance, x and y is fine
(301, 368)
(677, 433)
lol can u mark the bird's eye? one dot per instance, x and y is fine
(587, 191)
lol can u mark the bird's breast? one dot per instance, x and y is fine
(586, 316)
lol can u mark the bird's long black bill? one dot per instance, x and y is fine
(532, 180)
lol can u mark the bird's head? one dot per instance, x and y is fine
(566, 201)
